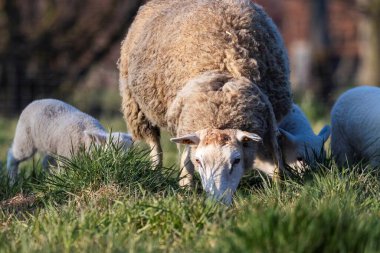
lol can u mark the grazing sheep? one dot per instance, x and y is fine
(53, 127)
(215, 73)
(355, 121)
(298, 142)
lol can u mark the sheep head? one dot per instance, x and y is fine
(221, 157)
(118, 139)
(303, 149)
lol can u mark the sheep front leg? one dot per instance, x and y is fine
(272, 143)
(187, 168)
(156, 150)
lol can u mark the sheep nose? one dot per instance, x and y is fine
(225, 198)
(210, 187)
(215, 194)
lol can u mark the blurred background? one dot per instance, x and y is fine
(63, 49)
(332, 44)
(68, 49)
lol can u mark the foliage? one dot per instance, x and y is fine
(47, 47)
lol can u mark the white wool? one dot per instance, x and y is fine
(299, 144)
(53, 127)
(355, 120)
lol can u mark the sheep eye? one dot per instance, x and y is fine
(198, 161)
(299, 159)
(236, 161)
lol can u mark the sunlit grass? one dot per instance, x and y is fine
(107, 200)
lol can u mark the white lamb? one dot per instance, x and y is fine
(355, 120)
(299, 144)
(53, 127)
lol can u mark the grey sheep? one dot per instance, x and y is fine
(53, 127)
(215, 73)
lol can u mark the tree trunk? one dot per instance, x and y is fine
(369, 32)
(47, 46)
(321, 65)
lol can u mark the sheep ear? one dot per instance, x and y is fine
(190, 139)
(128, 137)
(325, 133)
(244, 136)
(122, 136)
(96, 137)
(288, 136)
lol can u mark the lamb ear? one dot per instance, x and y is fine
(325, 133)
(288, 136)
(244, 136)
(123, 137)
(96, 137)
(128, 137)
(190, 139)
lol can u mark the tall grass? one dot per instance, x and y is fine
(106, 200)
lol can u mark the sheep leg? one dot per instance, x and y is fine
(279, 169)
(187, 172)
(156, 150)
(272, 143)
(22, 149)
(342, 152)
(12, 167)
(141, 128)
(47, 162)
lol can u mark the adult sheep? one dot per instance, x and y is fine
(355, 122)
(215, 73)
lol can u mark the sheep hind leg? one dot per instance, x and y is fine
(21, 150)
(12, 167)
(341, 150)
(345, 157)
(141, 128)
(151, 135)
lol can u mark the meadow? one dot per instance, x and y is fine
(109, 201)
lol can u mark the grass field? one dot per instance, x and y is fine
(109, 201)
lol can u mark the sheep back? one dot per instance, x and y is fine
(54, 127)
(355, 121)
(170, 42)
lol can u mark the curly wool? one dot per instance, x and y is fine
(172, 42)
(214, 100)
